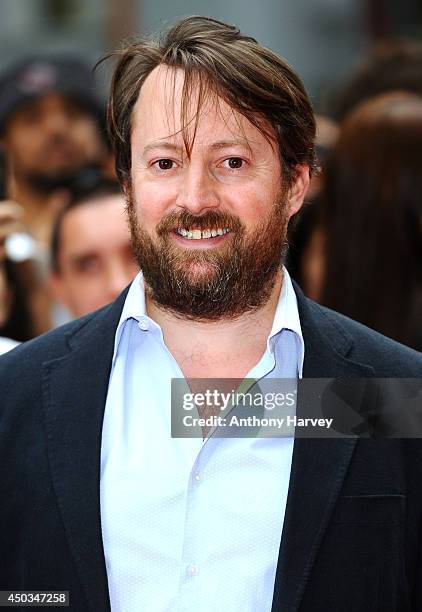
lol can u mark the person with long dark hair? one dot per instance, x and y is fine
(372, 218)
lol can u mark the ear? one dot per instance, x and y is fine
(57, 288)
(298, 189)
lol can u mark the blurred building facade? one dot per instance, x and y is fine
(322, 39)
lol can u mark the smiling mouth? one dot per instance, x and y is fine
(198, 234)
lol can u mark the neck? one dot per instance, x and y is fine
(26, 195)
(219, 349)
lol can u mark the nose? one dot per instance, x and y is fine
(56, 122)
(198, 189)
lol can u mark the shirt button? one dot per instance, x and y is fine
(143, 325)
(197, 477)
(192, 570)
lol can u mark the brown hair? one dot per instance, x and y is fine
(216, 58)
(391, 66)
(371, 201)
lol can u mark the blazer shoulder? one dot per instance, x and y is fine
(22, 367)
(27, 358)
(388, 357)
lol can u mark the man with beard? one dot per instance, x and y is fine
(213, 137)
(50, 122)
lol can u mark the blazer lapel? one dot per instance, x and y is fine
(75, 391)
(318, 465)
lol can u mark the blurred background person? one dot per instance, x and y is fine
(50, 126)
(305, 259)
(390, 65)
(371, 215)
(91, 253)
(51, 131)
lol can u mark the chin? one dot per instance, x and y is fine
(199, 273)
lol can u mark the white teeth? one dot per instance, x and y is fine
(197, 234)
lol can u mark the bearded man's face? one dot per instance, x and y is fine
(208, 230)
(49, 140)
(207, 284)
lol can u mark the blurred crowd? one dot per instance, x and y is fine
(65, 248)
(64, 243)
(357, 246)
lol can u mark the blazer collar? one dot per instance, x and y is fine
(328, 345)
(75, 391)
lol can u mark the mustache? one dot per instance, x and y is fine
(54, 141)
(209, 220)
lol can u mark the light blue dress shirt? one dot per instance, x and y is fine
(189, 525)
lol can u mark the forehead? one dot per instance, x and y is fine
(48, 103)
(97, 222)
(157, 114)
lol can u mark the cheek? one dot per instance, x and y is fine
(131, 267)
(23, 146)
(252, 204)
(86, 295)
(85, 135)
(152, 202)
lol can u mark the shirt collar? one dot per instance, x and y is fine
(286, 314)
(133, 308)
(286, 317)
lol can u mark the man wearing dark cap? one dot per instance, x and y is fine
(49, 125)
(50, 129)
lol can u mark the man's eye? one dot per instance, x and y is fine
(73, 109)
(29, 117)
(86, 265)
(164, 164)
(234, 163)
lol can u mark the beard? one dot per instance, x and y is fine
(227, 281)
(81, 177)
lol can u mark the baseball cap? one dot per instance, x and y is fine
(35, 77)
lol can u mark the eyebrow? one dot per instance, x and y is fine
(225, 144)
(221, 144)
(81, 257)
(159, 144)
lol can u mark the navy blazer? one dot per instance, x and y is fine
(352, 532)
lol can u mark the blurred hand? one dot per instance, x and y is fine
(10, 222)
(11, 215)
